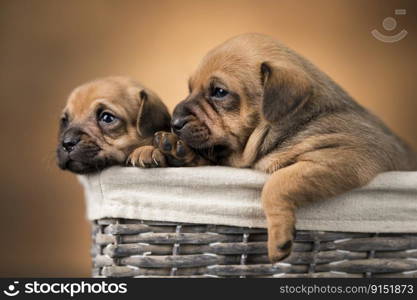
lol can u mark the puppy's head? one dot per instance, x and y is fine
(104, 120)
(245, 81)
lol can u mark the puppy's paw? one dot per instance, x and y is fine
(177, 153)
(147, 157)
(280, 241)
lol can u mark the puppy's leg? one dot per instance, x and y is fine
(177, 153)
(147, 157)
(305, 181)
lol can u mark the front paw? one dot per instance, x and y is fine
(177, 153)
(147, 157)
(280, 241)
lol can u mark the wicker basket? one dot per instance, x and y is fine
(136, 248)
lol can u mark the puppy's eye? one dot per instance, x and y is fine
(64, 121)
(107, 118)
(219, 92)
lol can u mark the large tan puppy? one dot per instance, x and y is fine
(109, 122)
(254, 103)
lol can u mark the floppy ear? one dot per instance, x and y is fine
(153, 115)
(285, 89)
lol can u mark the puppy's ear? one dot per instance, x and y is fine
(153, 115)
(285, 90)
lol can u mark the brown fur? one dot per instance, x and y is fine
(285, 117)
(139, 112)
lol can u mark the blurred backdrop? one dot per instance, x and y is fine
(49, 47)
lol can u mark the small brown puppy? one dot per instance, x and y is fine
(107, 121)
(254, 103)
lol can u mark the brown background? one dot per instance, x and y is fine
(49, 47)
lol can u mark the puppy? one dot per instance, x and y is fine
(108, 122)
(254, 103)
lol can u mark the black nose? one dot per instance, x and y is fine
(70, 142)
(178, 123)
